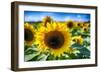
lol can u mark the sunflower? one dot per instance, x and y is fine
(86, 25)
(55, 37)
(79, 24)
(28, 34)
(70, 24)
(46, 20)
(78, 40)
(85, 29)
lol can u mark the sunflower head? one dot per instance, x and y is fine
(86, 25)
(46, 20)
(78, 40)
(70, 24)
(85, 29)
(54, 37)
(28, 34)
(79, 24)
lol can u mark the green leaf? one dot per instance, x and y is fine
(26, 47)
(84, 52)
(34, 58)
(86, 43)
(84, 35)
(51, 57)
(72, 56)
(30, 56)
(75, 32)
(42, 57)
(75, 46)
(29, 51)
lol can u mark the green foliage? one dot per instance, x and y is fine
(84, 52)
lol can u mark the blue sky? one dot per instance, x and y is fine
(30, 16)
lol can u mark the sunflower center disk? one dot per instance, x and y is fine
(54, 39)
(70, 24)
(78, 24)
(28, 35)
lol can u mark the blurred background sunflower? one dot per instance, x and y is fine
(55, 38)
(70, 24)
(46, 20)
(79, 24)
(29, 34)
(85, 29)
(86, 25)
(78, 40)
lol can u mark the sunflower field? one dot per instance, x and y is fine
(54, 40)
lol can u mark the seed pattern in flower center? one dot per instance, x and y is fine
(28, 35)
(54, 39)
